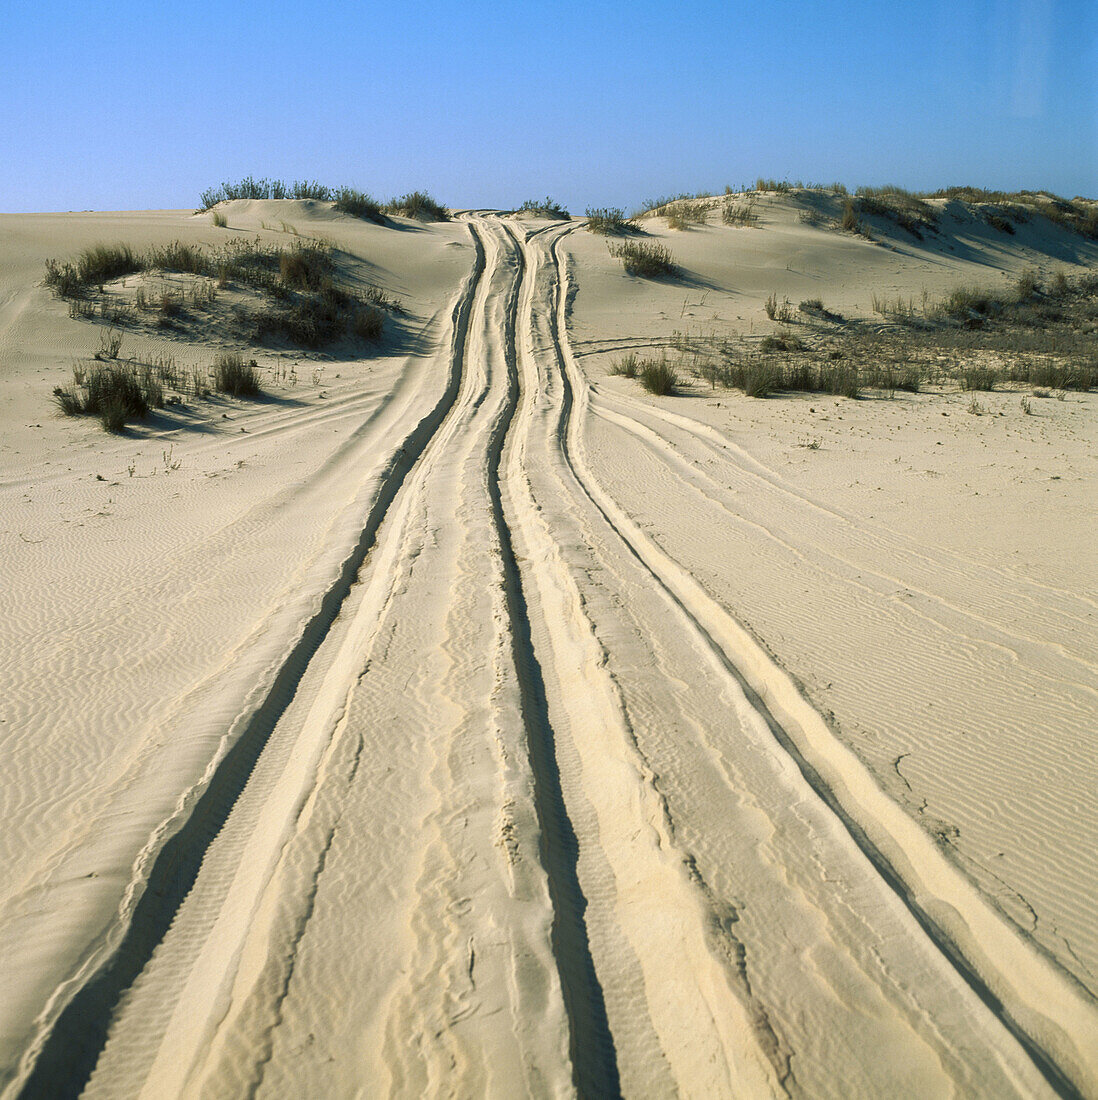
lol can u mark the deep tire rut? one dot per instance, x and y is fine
(67, 1055)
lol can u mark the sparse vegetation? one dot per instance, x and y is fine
(739, 212)
(114, 393)
(644, 258)
(609, 221)
(782, 312)
(233, 376)
(349, 200)
(546, 208)
(416, 204)
(302, 300)
(626, 367)
(657, 376)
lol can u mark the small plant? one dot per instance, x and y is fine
(1026, 406)
(358, 204)
(608, 221)
(233, 376)
(739, 213)
(218, 219)
(657, 376)
(368, 323)
(627, 367)
(547, 208)
(644, 258)
(758, 380)
(975, 408)
(110, 344)
(783, 341)
(418, 205)
(1027, 285)
(850, 220)
(978, 378)
(776, 312)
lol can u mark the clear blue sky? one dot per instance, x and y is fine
(134, 105)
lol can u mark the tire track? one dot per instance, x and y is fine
(592, 1045)
(61, 1060)
(1041, 1008)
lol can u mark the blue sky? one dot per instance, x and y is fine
(139, 105)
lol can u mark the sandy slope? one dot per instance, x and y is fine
(486, 727)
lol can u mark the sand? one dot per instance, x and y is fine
(459, 718)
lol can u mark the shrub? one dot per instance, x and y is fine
(643, 258)
(218, 219)
(358, 204)
(1027, 285)
(416, 204)
(368, 323)
(850, 220)
(305, 267)
(758, 380)
(997, 221)
(657, 376)
(233, 376)
(547, 208)
(783, 341)
(776, 312)
(626, 367)
(738, 213)
(978, 378)
(608, 220)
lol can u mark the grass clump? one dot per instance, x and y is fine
(115, 393)
(776, 311)
(608, 220)
(739, 213)
(233, 376)
(657, 376)
(418, 205)
(626, 367)
(644, 258)
(546, 208)
(349, 200)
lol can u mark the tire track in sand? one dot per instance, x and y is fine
(75, 1024)
(1037, 1004)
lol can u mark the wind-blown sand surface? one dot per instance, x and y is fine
(462, 719)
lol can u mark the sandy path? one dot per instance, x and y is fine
(525, 810)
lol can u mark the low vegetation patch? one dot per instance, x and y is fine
(349, 200)
(644, 258)
(293, 293)
(418, 205)
(609, 221)
(115, 393)
(657, 376)
(231, 375)
(546, 208)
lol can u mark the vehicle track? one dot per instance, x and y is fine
(526, 698)
(62, 1058)
(1056, 1027)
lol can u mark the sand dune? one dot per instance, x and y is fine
(457, 717)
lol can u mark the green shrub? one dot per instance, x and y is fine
(547, 208)
(358, 204)
(233, 376)
(608, 220)
(626, 367)
(978, 378)
(758, 379)
(657, 376)
(416, 204)
(644, 258)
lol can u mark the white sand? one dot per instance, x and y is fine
(649, 748)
